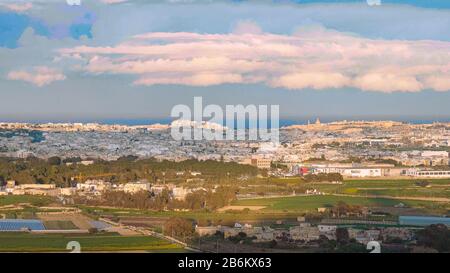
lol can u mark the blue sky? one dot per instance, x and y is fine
(136, 59)
(439, 4)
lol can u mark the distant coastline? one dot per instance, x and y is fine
(283, 122)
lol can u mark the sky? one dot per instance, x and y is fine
(72, 60)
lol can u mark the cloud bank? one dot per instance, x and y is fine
(311, 57)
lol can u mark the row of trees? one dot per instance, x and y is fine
(126, 169)
(343, 209)
(197, 200)
(178, 227)
(323, 177)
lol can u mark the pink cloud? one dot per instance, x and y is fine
(388, 82)
(311, 57)
(202, 79)
(438, 82)
(315, 80)
(18, 7)
(39, 76)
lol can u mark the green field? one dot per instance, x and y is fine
(31, 199)
(25, 242)
(311, 203)
(437, 188)
(203, 217)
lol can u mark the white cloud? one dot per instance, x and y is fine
(388, 82)
(438, 82)
(312, 57)
(39, 76)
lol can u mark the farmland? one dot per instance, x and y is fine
(435, 188)
(26, 242)
(28, 199)
(311, 203)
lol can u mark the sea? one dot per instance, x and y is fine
(283, 122)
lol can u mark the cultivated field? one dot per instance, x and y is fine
(437, 188)
(26, 242)
(312, 202)
(25, 199)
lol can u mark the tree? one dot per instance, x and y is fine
(178, 227)
(54, 161)
(342, 236)
(92, 230)
(272, 244)
(435, 236)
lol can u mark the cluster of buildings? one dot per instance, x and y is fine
(98, 187)
(409, 149)
(92, 188)
(305, 232)
(361, 170)
(29, 189)
(258, 161)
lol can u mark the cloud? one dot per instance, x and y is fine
(388, 82)
(201, 79)
(17, 7)
(317, 80)
(312, 57)
(439, 82)
(39, 76)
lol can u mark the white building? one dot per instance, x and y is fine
(36, 186)
(304, 232)
(427, 173)
(67, 191)
(180, 193)
(93, 186)
(328, 231)
(351, 171)
(434, 154)
(364, 236)
(134, 187)
(327, 228)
